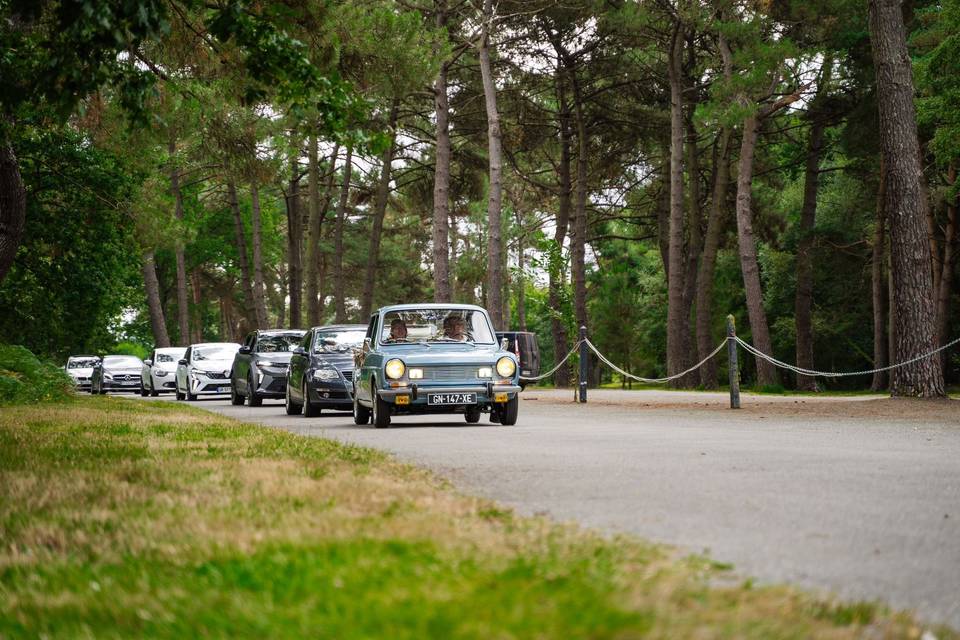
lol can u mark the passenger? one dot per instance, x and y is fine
(398, 329)
(455, 328)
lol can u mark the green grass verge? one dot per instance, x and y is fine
(123, 519)
(25, 378)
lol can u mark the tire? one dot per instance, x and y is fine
(310, 410)
(510, 411)
(153, 389)
(291, 407)
(381, 409)
(253, 399)
(472, 415)
(143, 390)
(361, 414)
(236, 398)
(177, 388)
(190, 396)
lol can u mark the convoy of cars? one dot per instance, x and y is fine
(409, 359)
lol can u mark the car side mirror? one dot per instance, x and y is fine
(183, 361)
(245, 350)
(148, 362)
(504, 343)
(299, 351)
(366, 345)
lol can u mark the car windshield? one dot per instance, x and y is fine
(166, 357)
(121, 361)
(282, 343)
(82, 363)
(435, 325)
(213, 353)
(338, 340)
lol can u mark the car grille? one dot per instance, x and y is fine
(347, 374)
(450, 373)
(126, 378)
(216, 375)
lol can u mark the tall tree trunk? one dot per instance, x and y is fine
(183, 308)
(240, 237)
(294, 235)
(339, 288)
(259, 291)
(708, 261)
(158, 323)
(379, 212)
(750, 268)
(913, 295)
(803, 303)
(318, 210)
(13, 207)
(196, 326)
(441, 177)
(579, 240)
(879, 290)
(557, 270)
(949, 259)
(494, 156)
(521, 275)
(677, 319)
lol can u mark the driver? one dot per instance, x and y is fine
(455, 328)
(398, 329)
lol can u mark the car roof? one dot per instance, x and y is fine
(431, 305)
(78, 357)
(215, 344)
(170, 349)
(119, 355)
(327, 327)
(279, 332)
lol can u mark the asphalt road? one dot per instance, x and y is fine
(864, 507)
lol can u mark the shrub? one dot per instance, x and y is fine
(24, 378)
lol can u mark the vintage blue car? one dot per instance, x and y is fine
(434, 358)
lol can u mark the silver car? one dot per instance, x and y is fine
(80, 370)
(116, 373)
(205, 369)
(160, 371)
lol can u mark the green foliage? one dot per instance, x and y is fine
(25, 379)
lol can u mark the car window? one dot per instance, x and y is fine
(282, 343)
(436, 325)
(81, 363)
(213, 353)
(122, 361)
(338, 340)
(164, 357)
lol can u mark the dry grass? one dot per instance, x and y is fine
(122, 519)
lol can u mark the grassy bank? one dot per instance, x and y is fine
(130, 519)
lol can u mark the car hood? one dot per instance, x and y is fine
(339, 360)
(83, 373)
(123, 370)
(165, 366)
(282, 357)
(445, 355)
(213, 365)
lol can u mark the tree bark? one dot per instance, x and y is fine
(803, 303)
(441, 177)
(158, 324)
(259, 290)
(708, 261)
(494, 157)
(749, 266)
(913, 295)
(676, 318)
(379, 212)
(557, 270)
(13, 207)
(317, 212)
(240, 237)
(946, 277)
(294, 235)
(339, 288)
(196, 325)
(183, 307)
(579, 240)
(879, 291)
(521, 275)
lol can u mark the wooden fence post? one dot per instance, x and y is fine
(584, 354)
(733, 365)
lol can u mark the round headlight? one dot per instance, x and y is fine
(394, 368)
(506, 367)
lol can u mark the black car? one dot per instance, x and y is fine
(260, 367)
(321, 369)
(116, 373)
(523, 344)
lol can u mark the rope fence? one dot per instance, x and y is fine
(584, 345)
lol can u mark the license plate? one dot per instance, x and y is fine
(224, 389)
(451, 398)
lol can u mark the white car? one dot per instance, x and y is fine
(80, 369)
(205, 369)
(160, 371)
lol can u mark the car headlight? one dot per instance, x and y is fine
(107, 376)
(325, 374)
(506, 367)
(261, 363)
(394, 368)
(485, 372)
(160, 373)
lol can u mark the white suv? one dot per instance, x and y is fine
(205, 369)
(160, 370)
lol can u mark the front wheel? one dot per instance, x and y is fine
(143, 389)
(190, 396)
(510, 411)
(291, 407)
(472, 414)
(361, 414)
(381, 410)
(177, 390)
(235, 398)
(252, 398)
(153, 388)
(310, 410)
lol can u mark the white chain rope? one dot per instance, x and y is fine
(554, 370)
(654, 380)
(836, 374)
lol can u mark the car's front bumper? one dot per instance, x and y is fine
(416, 394)
(330, 393)
(121, 385)
(209, 386)
(81, 383)
(271, 382)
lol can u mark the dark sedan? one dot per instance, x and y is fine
(321, 370)
(260, 367)
(116, 373)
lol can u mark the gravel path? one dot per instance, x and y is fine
(856, 496)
